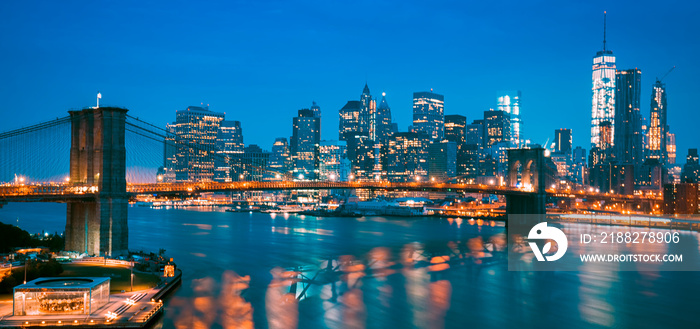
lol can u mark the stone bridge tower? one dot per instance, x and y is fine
(98, 158)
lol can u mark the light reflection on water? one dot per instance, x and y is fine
(243, 270)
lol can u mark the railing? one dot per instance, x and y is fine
(69, 190)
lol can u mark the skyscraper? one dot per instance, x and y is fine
(509, 102)
(349, 121)
(497, 127)
(229, 143)
(381, 122)
(628, 137)
(195, 157)
(658, 128)
(428, 114)
(408, 157)
(603, 91)
(563, 141)
(306, 136)
(367, 114)
(443, 160)
(334, 164)
(280, 161)
(475, 134)
(456, 128)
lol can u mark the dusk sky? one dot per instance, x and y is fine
(261, 61)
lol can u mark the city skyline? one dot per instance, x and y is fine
(468, 90)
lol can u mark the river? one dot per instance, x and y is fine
(385, 273)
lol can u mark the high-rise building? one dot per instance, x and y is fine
(578, 166)
(230, 137)
(475, 133)
(628, 139)
(196, 130)
(408, 157)
(349, 119)
(671, 148)
(334, 163)
(361, 153)
(497, 127)
(428, 114)
(509, 102)
(382, 122)
(563, 141)
(443, 160)
(255, 164)
(306, 136)
(280, 159)
(229, 144)
(456, 128)
(691, 169)
(368, 108)
(658, 128)
(603, 91)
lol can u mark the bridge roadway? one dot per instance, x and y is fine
(69, 192)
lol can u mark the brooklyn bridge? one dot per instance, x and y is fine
(107, 153)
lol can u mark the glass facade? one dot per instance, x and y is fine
(428, 114)
(603, 93)
(54, 296)
(658, 128)
(509, 102)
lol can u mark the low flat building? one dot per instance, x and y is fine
(61, 296)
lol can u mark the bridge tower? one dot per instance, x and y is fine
(529, 168)
(98, 158)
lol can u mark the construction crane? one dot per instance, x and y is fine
(664, 76)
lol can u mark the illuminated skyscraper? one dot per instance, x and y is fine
(229, 143)
(628, 137)
(334, 164)
(456, 129)
(603, 92)
(367, 114)
(475, 134)
(428, 114)
(497, 127)
(195, 159)
(509, 102)
(658, 128)
(408, 157)
(349, 121)
(306, 136)
(381, 130)
(280, 161)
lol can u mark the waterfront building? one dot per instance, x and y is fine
(658, 127)
(334, 164)
(194, 134)
(361, 152)
(306, 136)
(61, 296)
(681, 198)
(509, 102)
(603, 109)
(408, 157)
(428, 114)
(653, 175)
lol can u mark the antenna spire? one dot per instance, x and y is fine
(605, 27)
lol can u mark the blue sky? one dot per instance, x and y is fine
(261, 61)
